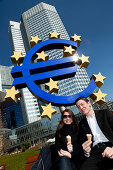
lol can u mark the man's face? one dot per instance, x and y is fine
(83, 106)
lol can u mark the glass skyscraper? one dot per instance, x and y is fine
(5, 78)
(40, 20)
(5, 83)
(29, 104)
(11, 114)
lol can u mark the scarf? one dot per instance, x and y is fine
(68, 129)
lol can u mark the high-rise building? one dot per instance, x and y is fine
(29, 104)
(5, 83)
(5, 78)
(10, 112)
(40, 20)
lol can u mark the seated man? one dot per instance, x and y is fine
(99, 124)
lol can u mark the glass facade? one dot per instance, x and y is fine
(28, 102)
(11, 113)
(5, 77)
(16, 37)
(36, 132)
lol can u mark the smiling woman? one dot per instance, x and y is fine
(66, 141)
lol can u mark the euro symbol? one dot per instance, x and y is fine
(30, 74)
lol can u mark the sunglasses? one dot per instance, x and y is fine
(65, 116)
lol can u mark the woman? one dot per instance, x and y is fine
(67, 151)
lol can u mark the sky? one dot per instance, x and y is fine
(92, 19)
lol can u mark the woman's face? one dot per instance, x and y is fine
(67, 118)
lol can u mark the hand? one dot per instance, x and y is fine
(64, 153)
(69, 147)
(108, 152)
(87, 146)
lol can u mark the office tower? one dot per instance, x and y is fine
(5, 78)
(10, 112)
(5, 83)
(29, 104)
(40, 20)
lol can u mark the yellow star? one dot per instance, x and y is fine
(98, 97)
(53, 35)
(34, 40)
(52, 86)
(12, 94)
(17, 58)
(99, 79)
(42, 56)
(84, 61)
(76, 38)
(48, 111)
(69, 51)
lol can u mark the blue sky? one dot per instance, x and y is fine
(92, 19)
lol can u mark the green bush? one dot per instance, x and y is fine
(23, 148)
(26, 146)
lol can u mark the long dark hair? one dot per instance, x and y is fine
(74, 120)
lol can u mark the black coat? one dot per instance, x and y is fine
(105, 121)
(61, 143)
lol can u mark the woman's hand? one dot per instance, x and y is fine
(69, 147)
(64, 153)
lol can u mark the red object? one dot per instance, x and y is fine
(28, 166)
(112, 111)
(2, 167)
(31, 160)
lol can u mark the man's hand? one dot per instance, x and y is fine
(69, 147)
(64, 153)
(108, 152)
(87, 146)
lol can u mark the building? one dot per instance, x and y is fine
(5, 83)
(40, 20)
(37, 132)
(29, 104)
(10, 112)
(5, 78)
(110, 105)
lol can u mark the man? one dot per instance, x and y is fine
(99, 124)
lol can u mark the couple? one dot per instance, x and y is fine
(98, 153)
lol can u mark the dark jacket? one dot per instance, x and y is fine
(46, 159)
(105, 121)
(61, 143)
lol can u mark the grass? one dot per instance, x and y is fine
(17, 161)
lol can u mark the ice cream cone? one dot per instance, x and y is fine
(89, 137)
(68, 138)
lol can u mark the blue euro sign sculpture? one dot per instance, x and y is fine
(32, 74)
